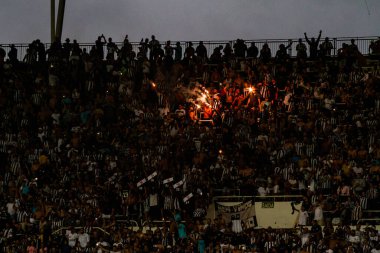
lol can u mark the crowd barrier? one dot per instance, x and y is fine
(363, 44)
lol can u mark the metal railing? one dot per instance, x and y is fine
(369, 221)
(363, 44)
(235, 198)
(226, 192)
(76, 228)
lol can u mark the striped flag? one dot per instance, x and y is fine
(141, 182)
(178, 184)
(168, 180)
(151, 176)
(189, 196)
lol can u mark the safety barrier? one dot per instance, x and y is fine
(363, 44)
(236, 198)
(369, 221)
(65, 228)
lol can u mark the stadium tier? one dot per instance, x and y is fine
(229, 146)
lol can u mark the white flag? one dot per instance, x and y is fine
(178, 184)
(168, 180)
(141, 182)
(152, 175)
(189, 196)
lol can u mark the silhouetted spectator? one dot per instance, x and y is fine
(313, 45)
(153, 46)
(216, 56)
(325, 48)
(99, 46)
(201, 51)
(265, 53)
(252, 51)
(282, 54)
(12, 54)
(2, 54)
(227, 52)
(178, 52)
(41, 52)
(189, 51)
(66, 49)
(240, 48)
(301, 50)
(111, 49)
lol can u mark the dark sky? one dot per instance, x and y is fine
(26, 20)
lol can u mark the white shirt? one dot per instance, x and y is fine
(8, 233)
(164, 111)
(56, 118)
(11, 208)
(287, 98)
(318, 213)
(301, 185)
(72, 237)
(180, 112)
(302, 219)
(305, 238)
(354, 238)
(103, 244)
(262, 191)
(329, 103)
(357, 170)
(276, 189)
(83, 239)
(312, 185)
(153, 199)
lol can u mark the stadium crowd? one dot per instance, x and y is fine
(87, 137)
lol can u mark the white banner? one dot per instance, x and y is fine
(245, 212)
(141, 182)
(151, 176)
(178, 184)
(189, 196)
(168, 180)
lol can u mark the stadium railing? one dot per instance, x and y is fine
(76, 228)
(363, 44)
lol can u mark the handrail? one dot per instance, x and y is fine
(222, 190)
(64, 228)
(258, 197)
(147, 222)
(280, 196)
(223, 41)
(133, 223)
(362, 43)
(367, 219)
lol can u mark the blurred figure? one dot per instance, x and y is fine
(301, 50)
(313, 45)
(325, 48)
(12, 54)
(265, 53)
(252, 51)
